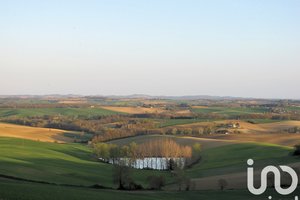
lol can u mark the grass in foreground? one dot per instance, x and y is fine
(74, 164)
(18, 190)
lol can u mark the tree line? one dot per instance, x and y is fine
(164, 148)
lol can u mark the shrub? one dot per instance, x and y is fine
(222, 184)
(156, 182)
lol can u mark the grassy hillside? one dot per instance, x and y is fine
(223, 156)
(74, 164)
(174, 122)
(57, 163)
(29, 112)
(233, 158)
(133, 109)
(229, 111)
(16, 190)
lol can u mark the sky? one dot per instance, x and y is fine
(242, 48)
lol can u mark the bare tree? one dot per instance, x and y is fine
(222, 184)
(121, 175)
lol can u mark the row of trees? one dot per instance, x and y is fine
(158, 148)
(205, 130)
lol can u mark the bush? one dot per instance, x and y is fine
(156, 182)
(222, 184)
(297, 150)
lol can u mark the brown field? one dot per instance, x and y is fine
(245, 127)
(262, 133)
(133, 110)
(284, 139)
(266, 133)
(33, 133)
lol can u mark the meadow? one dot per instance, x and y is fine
(72, 164)
(30, 112)
(225, 156)
(174, 122)
(16, 190)
(229, 111)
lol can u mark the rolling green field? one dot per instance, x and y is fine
(263, 121)
(58, 163)
(18, 190)
(220, 157)
(293, 108)
(232, 158)
(230, 111)
(30, 112)
(73, 164)
(174, 122)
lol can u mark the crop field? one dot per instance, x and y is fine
(229, 111)
(294, 108)
(174, 122)
(263, 121)
(246, 127)
(30, 112)
(133, 110)
(41, 134)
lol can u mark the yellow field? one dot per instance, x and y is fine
(133, 110)
(33, 133)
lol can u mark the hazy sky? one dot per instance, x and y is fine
(248, 48)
